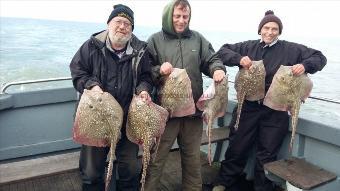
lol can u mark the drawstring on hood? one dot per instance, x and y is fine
(167, 21)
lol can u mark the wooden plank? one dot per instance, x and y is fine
(300, 173)
(217, 134)
(43, 184)
(13, 187)
(70, 180)
(16, 171)
(75, 180)
(21, 186)
(46, 166)
(29, 185)
(5, 187)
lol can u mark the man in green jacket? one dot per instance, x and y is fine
(176, 46)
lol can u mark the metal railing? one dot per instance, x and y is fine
(7, 85)
(314, 97)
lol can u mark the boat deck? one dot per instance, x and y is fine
(70, 180)
(66, 181)
(60, 172)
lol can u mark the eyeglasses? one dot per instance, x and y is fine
(120, 22)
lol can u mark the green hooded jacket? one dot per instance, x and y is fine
(188, 50)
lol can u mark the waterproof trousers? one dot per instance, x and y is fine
(188, 131)
(259, 126)
(125, 173)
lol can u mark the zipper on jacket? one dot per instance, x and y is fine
(180, 48)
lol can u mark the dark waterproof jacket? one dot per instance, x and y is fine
(94, 64)
(282, 53)
(189, 50)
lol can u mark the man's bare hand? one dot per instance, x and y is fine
(245, 62)
(145, 96)
(97, 88)
(218, 75)
(166, 68)
(298, 69)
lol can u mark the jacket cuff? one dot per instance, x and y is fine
(307, 69)
(238, 59)
(217, 66)
(89, 84)
(156, 76)
(143, 86)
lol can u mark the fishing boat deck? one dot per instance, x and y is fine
(70, 180)
(60, 172)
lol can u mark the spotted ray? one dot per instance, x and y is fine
(99, 118)
(175, 94)
(145, 125)
(213, 104)
(286, 93)
(249, 85)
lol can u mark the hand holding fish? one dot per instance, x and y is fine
(166, 68)
(97, 88)
(218, 75)
(245, 62)
(298, 69)
(145, 96)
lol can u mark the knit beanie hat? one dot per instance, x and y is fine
(122, 11)
(270, 17)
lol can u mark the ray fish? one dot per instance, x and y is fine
(145, 125)
(286, 93)
(175, 94)
(98, 121)
(249, 85)
(213, 103)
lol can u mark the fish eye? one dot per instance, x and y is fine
(90, 106)
(100, 99)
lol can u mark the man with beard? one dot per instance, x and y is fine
(114, 61)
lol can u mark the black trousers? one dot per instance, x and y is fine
(92, 166)
(260, 126)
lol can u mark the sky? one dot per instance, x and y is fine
(299, 17)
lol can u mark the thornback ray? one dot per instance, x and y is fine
(213, 103)
(145, 125)
(249, 85)
(286, 93)
(98, 122)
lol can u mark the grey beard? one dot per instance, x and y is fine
(121, 41)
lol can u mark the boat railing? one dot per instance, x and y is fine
(7, 85)
(314, 97)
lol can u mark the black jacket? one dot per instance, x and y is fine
(94, 64)
(282, 53)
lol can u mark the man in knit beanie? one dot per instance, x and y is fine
(260, 125)
(122, 11)
(270, 17)
(115, 61)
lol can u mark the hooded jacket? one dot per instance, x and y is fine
(94, 64)
(188, 50)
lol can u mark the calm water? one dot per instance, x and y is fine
(36, 49)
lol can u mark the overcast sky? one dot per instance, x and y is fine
(302, 17)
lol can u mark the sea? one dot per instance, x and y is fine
(32, 49)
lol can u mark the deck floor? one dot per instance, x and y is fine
(70, 180)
